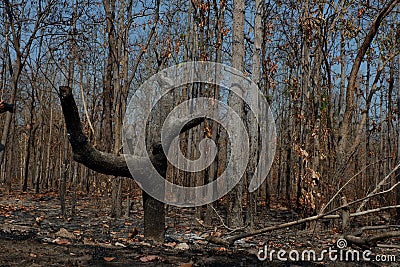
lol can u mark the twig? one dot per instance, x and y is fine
(361, 199)
(340, 190)
(374, 210)
(232, 230)
(388, 246)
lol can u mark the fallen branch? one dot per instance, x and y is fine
(371, 241)
(388, 246)
(361, 230)
(379, 186)
(16, 232)
(328, 215)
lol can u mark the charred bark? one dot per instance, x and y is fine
(83, 151)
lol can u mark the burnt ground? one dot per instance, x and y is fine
(32, 233)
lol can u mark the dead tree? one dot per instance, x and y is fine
(110, 164)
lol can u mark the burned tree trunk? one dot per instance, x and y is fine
(106, 163)
(110, 164)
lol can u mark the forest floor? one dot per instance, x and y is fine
(32, 233)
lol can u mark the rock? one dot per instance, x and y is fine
(182, 246)
(47, 240)
(194, 237)
(118, 244)
(65, 234)
(89, 241)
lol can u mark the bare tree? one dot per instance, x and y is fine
(346, 148)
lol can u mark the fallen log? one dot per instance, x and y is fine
(16, 232)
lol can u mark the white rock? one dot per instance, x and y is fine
(182, 246)
(118, 244)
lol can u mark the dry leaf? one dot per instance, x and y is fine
(216, 234)
(61, 241)
(64, 233)
(77, 232)
(150, 258)
(39, 219)
(171, 245)
(133, 232)
(109, 258)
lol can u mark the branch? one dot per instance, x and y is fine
(344, 130)
(107, 163)
(230, 240)
(326, 215)
(372, 240)
(149, 38)
(360, 231)
(337, 193)
(83, 151)
(380, 185)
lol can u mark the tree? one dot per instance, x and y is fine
(110, 164)
(398, 137)
(16, 20)
(346, 148)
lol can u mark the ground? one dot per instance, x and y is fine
(32, 233)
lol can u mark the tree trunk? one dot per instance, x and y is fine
(63, 179)
(14, 26)
(251, 119)
(108, 91)
(235, 209)
(346, 148)
(29, 141)
(398, 142)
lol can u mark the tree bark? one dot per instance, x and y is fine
(398, 145)
(251, 119)
(28, 145)
(235, 210)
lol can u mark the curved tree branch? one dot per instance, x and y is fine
(107, 163)
(83, 151)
